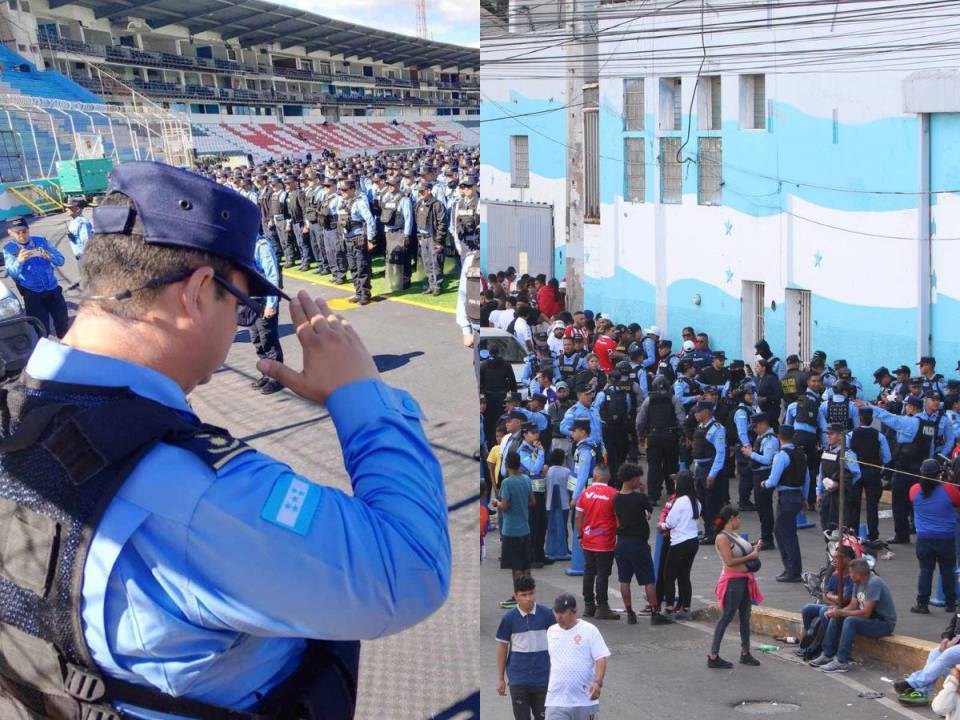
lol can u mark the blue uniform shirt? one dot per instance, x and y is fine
(885, 454)
(196, 583)
(741, 419)
(716, 436)
(680, 389)
(791, 416)
(649, 346)
(781, 461)
(360, 210)
(584, 461)
(769, 445)
(35, 273)
(265, 260)
(944, 432)
(854, 415)
(906, 426)
(591, 413)
(79, 230)
(531, 463)
(640, 377)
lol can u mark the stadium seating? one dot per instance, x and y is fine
(263, 140)
(20, 76)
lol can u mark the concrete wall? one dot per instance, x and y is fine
(827, 197)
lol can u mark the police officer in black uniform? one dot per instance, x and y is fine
(295, 215)
(715, 373)
(659, 420)
(615, 412)
(871, 448)
(430, 218)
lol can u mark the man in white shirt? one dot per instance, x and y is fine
(578, 662)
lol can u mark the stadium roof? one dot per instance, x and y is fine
(254, 22)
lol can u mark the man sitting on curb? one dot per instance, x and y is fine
(870, 613)
(916, 687)
(811, 611)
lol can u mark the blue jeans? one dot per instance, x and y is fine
(838, 640)
(811, 612)
(938, 665)
(931, 553)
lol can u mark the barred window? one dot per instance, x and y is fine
(633, 104)
(519, 162)
(710, 163)
(671, 110)
(753, 102)
(635, 170)
(670, 187)
(591, 164)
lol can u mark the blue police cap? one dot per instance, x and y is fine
(17, 223)
(179, 208)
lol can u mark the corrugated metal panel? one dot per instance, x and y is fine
(519, 235)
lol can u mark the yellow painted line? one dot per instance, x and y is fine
(340, 303)
(317, 280)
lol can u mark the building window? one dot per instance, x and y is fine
(519, 161)
(633, 104)
(710, 160)
(753, 102)
(635, 177)
(591, 164)
(708, 103)
(752, 323)
(670, 188)
(671, 111)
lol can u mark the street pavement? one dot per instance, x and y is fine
(654, 668)
(428, 671)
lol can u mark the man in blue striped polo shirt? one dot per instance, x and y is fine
(522, 652)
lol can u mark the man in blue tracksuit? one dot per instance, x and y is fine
(30, 260)
(791, 478)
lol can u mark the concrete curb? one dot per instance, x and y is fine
(903, 654)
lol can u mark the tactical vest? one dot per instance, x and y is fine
(467, 218)
(65, 451)
(733, 437)
(666, 369)
(345, 222)
(474, 276)
(325, 217)
(928, 436)
(865, 442)
(839, 412)
(390, 210)
(614, 411)
(830, 464)
(585, 452)
(422, 213)
(789, 386)
(661, 416)
(911, 453)
(568, 365)
(759, 469)
(808, 409)
(692, 389)
(796, 471)
(702, 449)
(310, 205)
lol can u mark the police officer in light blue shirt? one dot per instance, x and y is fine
(933, 413)
(264, 329)
(791, 478)
(207, 574)
(585, 408)
(79, 229)
(29, 261)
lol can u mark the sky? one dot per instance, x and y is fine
(452, 21)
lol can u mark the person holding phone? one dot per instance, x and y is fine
(737, 588)
(941, 662)
(30, 260)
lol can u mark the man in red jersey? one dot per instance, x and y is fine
(596, 525)
(605, 346)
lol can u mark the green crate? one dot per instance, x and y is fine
(85, 177)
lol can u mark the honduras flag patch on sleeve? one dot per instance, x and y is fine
(292, 503)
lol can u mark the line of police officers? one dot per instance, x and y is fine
(778, 427)
(336, 213)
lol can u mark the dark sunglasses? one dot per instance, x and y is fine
(248, 309)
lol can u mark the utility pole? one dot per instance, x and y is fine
(842, 459)
(422, 19)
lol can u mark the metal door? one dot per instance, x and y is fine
(519, 235)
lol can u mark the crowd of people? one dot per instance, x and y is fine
(562, 442)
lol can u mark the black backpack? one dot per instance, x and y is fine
(614, 410)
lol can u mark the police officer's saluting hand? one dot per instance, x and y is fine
(157, 565)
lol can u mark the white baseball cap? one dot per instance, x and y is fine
(688, 345)
(653, 330)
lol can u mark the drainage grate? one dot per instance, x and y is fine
(765, 707)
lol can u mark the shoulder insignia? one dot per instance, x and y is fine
(214, 447)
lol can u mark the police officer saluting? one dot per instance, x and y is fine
(169, 567)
